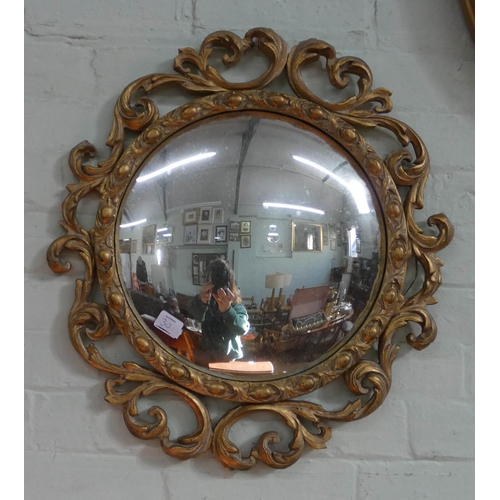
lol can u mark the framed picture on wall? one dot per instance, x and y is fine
(190, 216)
(190, 235)
(235, 237)
(125, 246)
(246, 226)
(164, 234)
(307, 237)
(149, 235)
(218, 216)
(204, 235)
(235, 226)
(205, 214)
(220, 234)
(324, 232)
(148, 249)
(245, 241)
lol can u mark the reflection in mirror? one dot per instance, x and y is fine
(306, 237)
(250, 245)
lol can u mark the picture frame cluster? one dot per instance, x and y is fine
(241, 231)
(204, 226)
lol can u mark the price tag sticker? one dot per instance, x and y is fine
(169, 325)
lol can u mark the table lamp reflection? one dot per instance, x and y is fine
(274, 281)
(286, 282)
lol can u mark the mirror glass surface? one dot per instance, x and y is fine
(285, 208)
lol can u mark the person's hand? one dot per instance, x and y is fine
(206, 292)
(224, 299)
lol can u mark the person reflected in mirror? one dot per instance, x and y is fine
(141, 271)
(223, 317)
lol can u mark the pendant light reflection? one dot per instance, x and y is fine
(176, 164)
(356, 189)
(267, 204)
(135, 223)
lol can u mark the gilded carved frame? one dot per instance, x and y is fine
(406, 167)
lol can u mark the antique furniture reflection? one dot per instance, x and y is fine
(184, 345)
(315, 321)
(250, 149)
(248, 302)
(183, 301)
(314, 339)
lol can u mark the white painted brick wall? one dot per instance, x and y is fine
(78, 58)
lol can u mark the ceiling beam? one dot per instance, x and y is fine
(245, 144)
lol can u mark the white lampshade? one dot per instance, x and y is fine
(275, 280)
(287, 279)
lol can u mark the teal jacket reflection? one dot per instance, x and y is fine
(220, 332)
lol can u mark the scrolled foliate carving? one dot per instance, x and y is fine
(293, 415)
(339, 119)
(339, 71)
(266, 41)
(185, 447)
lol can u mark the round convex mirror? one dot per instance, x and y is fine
(250, 245)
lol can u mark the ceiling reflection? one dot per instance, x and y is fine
(255, 240)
